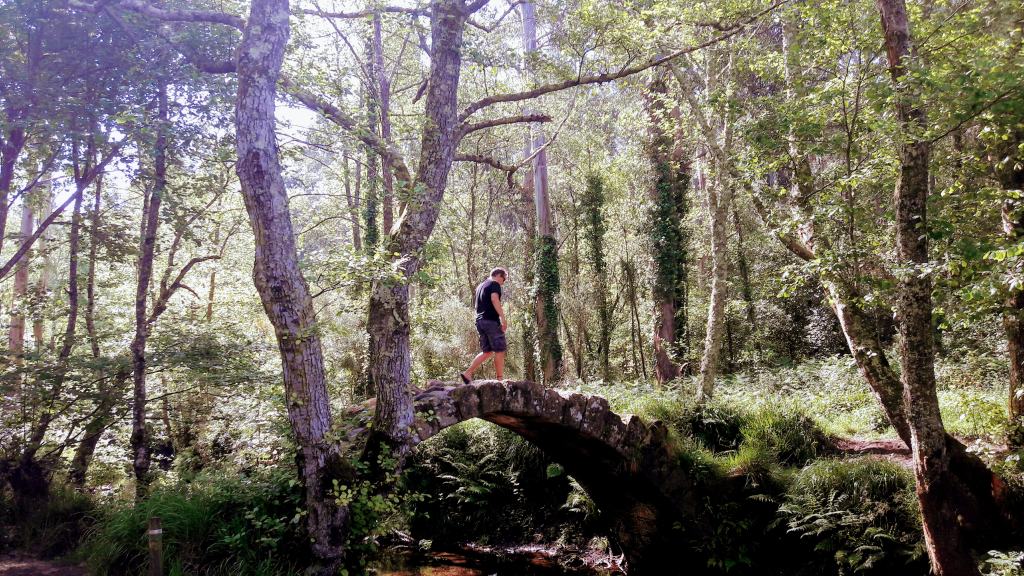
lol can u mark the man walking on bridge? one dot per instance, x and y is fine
(490, 324)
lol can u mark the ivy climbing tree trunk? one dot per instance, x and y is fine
(667, 233)
(937, 488)
(279, 281)
(547, 278)
(595, 228)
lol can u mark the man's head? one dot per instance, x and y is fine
(499, 275)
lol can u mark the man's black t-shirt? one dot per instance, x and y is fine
(484, 307)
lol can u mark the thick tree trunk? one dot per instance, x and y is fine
(141, 458)
(937, 489)
(719, 196)
(279, 281)
(388, 323)
(668, 235)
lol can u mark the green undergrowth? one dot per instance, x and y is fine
(48, 529)
(218, 524)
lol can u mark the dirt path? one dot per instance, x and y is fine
(25, 566)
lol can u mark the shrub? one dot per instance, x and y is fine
(782, 434)
(47, 528)
(214, 525)
(861, 515)
(998, 563)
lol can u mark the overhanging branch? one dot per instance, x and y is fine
(610, 76)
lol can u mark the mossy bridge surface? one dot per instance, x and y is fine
(628, 466)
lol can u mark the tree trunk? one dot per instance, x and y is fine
(388, 322)
(42, 284)
(937, 489)
(719, 196)
(353, 201)
(669, 242)
(141, 457)
(103, 414)
(595, 228)
(1009, 163)
(16, 336)
(529, 329)
(279, 281)
(384, 101)
(546, 256)
(9, 153)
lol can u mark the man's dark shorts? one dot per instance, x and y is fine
(492, 339)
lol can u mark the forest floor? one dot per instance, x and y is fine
(17, 565)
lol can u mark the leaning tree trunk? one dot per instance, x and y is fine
(279, 281)
(937, 489)
(669, 243)
(388, 322)
(719, 201)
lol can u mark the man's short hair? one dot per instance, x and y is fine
(499, 272)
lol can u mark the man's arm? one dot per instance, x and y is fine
(496, 301)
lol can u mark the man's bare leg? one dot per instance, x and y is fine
(480, 359)
(499, 365)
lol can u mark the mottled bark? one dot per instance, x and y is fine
(719, 198)
(669, 243)
(937, 488)
(388, 322)
(279, 281)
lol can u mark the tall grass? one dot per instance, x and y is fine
(217, 525)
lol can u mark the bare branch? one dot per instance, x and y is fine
(386, 151)
(146, 9)
(481, 159)
(468, 128)
(365, 13)
(610, 76)
(490, 27)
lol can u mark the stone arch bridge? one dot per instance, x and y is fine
(627, 466)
